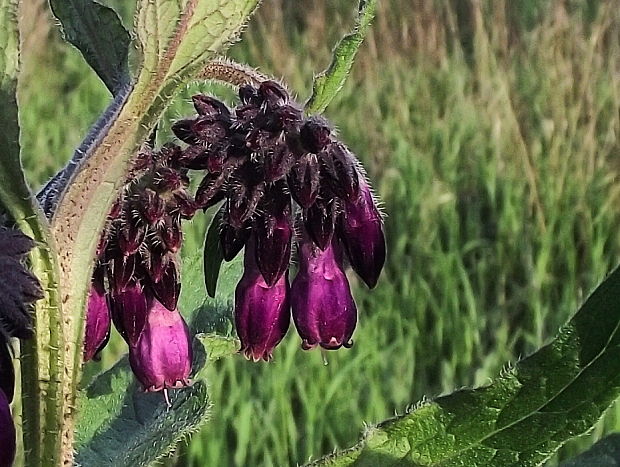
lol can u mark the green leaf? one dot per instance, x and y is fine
(213, 255)
(98, 33)
(327, 84)
(42, 358)
(604, 453)
(119, 425)
(178, 37)
(522, 417)
(123, 426)
(175, 38)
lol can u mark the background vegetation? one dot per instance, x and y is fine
(492, 132)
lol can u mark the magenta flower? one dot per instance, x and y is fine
(323, 308)
(130, 308)
(262, 313)
(161, 355)
(274, 232)
(361, 231)
(97, 330)
(7, 433)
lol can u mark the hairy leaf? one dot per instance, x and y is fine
(604, 453)
(522, 417)
(119, 425)
(327, 84)
(175, 38)
(41, 355)
(127, 427)
(178, 37)
(15, 196)
(98, 33)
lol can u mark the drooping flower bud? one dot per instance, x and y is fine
(183, 129)
(273, 94)
(278, 162)
(361, 231)
(7, 433)
(171, 233)
(320, 221)
(129, 311)
(274, 232)
(161, 357)
(323, 308)
(210, 191)
(168, 288)
(131, 237)
(151, 206)
(232, 240)
(304, 180)
(262, 313)
(339, 166)
(208, 106)
(123, 270)
(97, 330)
(315, 134)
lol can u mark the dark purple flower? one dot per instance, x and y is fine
(262, 313)
(97, 330)
(129, 311)
(323, 308)
(7, 433)
(320, 221)
(123, 270)
(274, 232)
(361, 231)
(161, 357)
(210, 191)
(273, 94)
(232, 240)
(131, 237)
(171, 233)
(340, 169)
(208, 106)
(304, 180)
(278, 162)
(168, 288)
(315, 134)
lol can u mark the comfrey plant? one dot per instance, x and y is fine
(100, 244)
(107, 229)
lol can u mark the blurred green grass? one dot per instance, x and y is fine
(491, 131)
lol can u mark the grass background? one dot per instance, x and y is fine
(491, 131)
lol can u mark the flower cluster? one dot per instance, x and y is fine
(285, 179)
(18, 288)
(136, 282)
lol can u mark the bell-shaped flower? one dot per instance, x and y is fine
(97, 330)
(262, 312)
(361, 231)
(161, 357)
(323, 308)
(274, 233)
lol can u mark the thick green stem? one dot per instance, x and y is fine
(42, 361)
